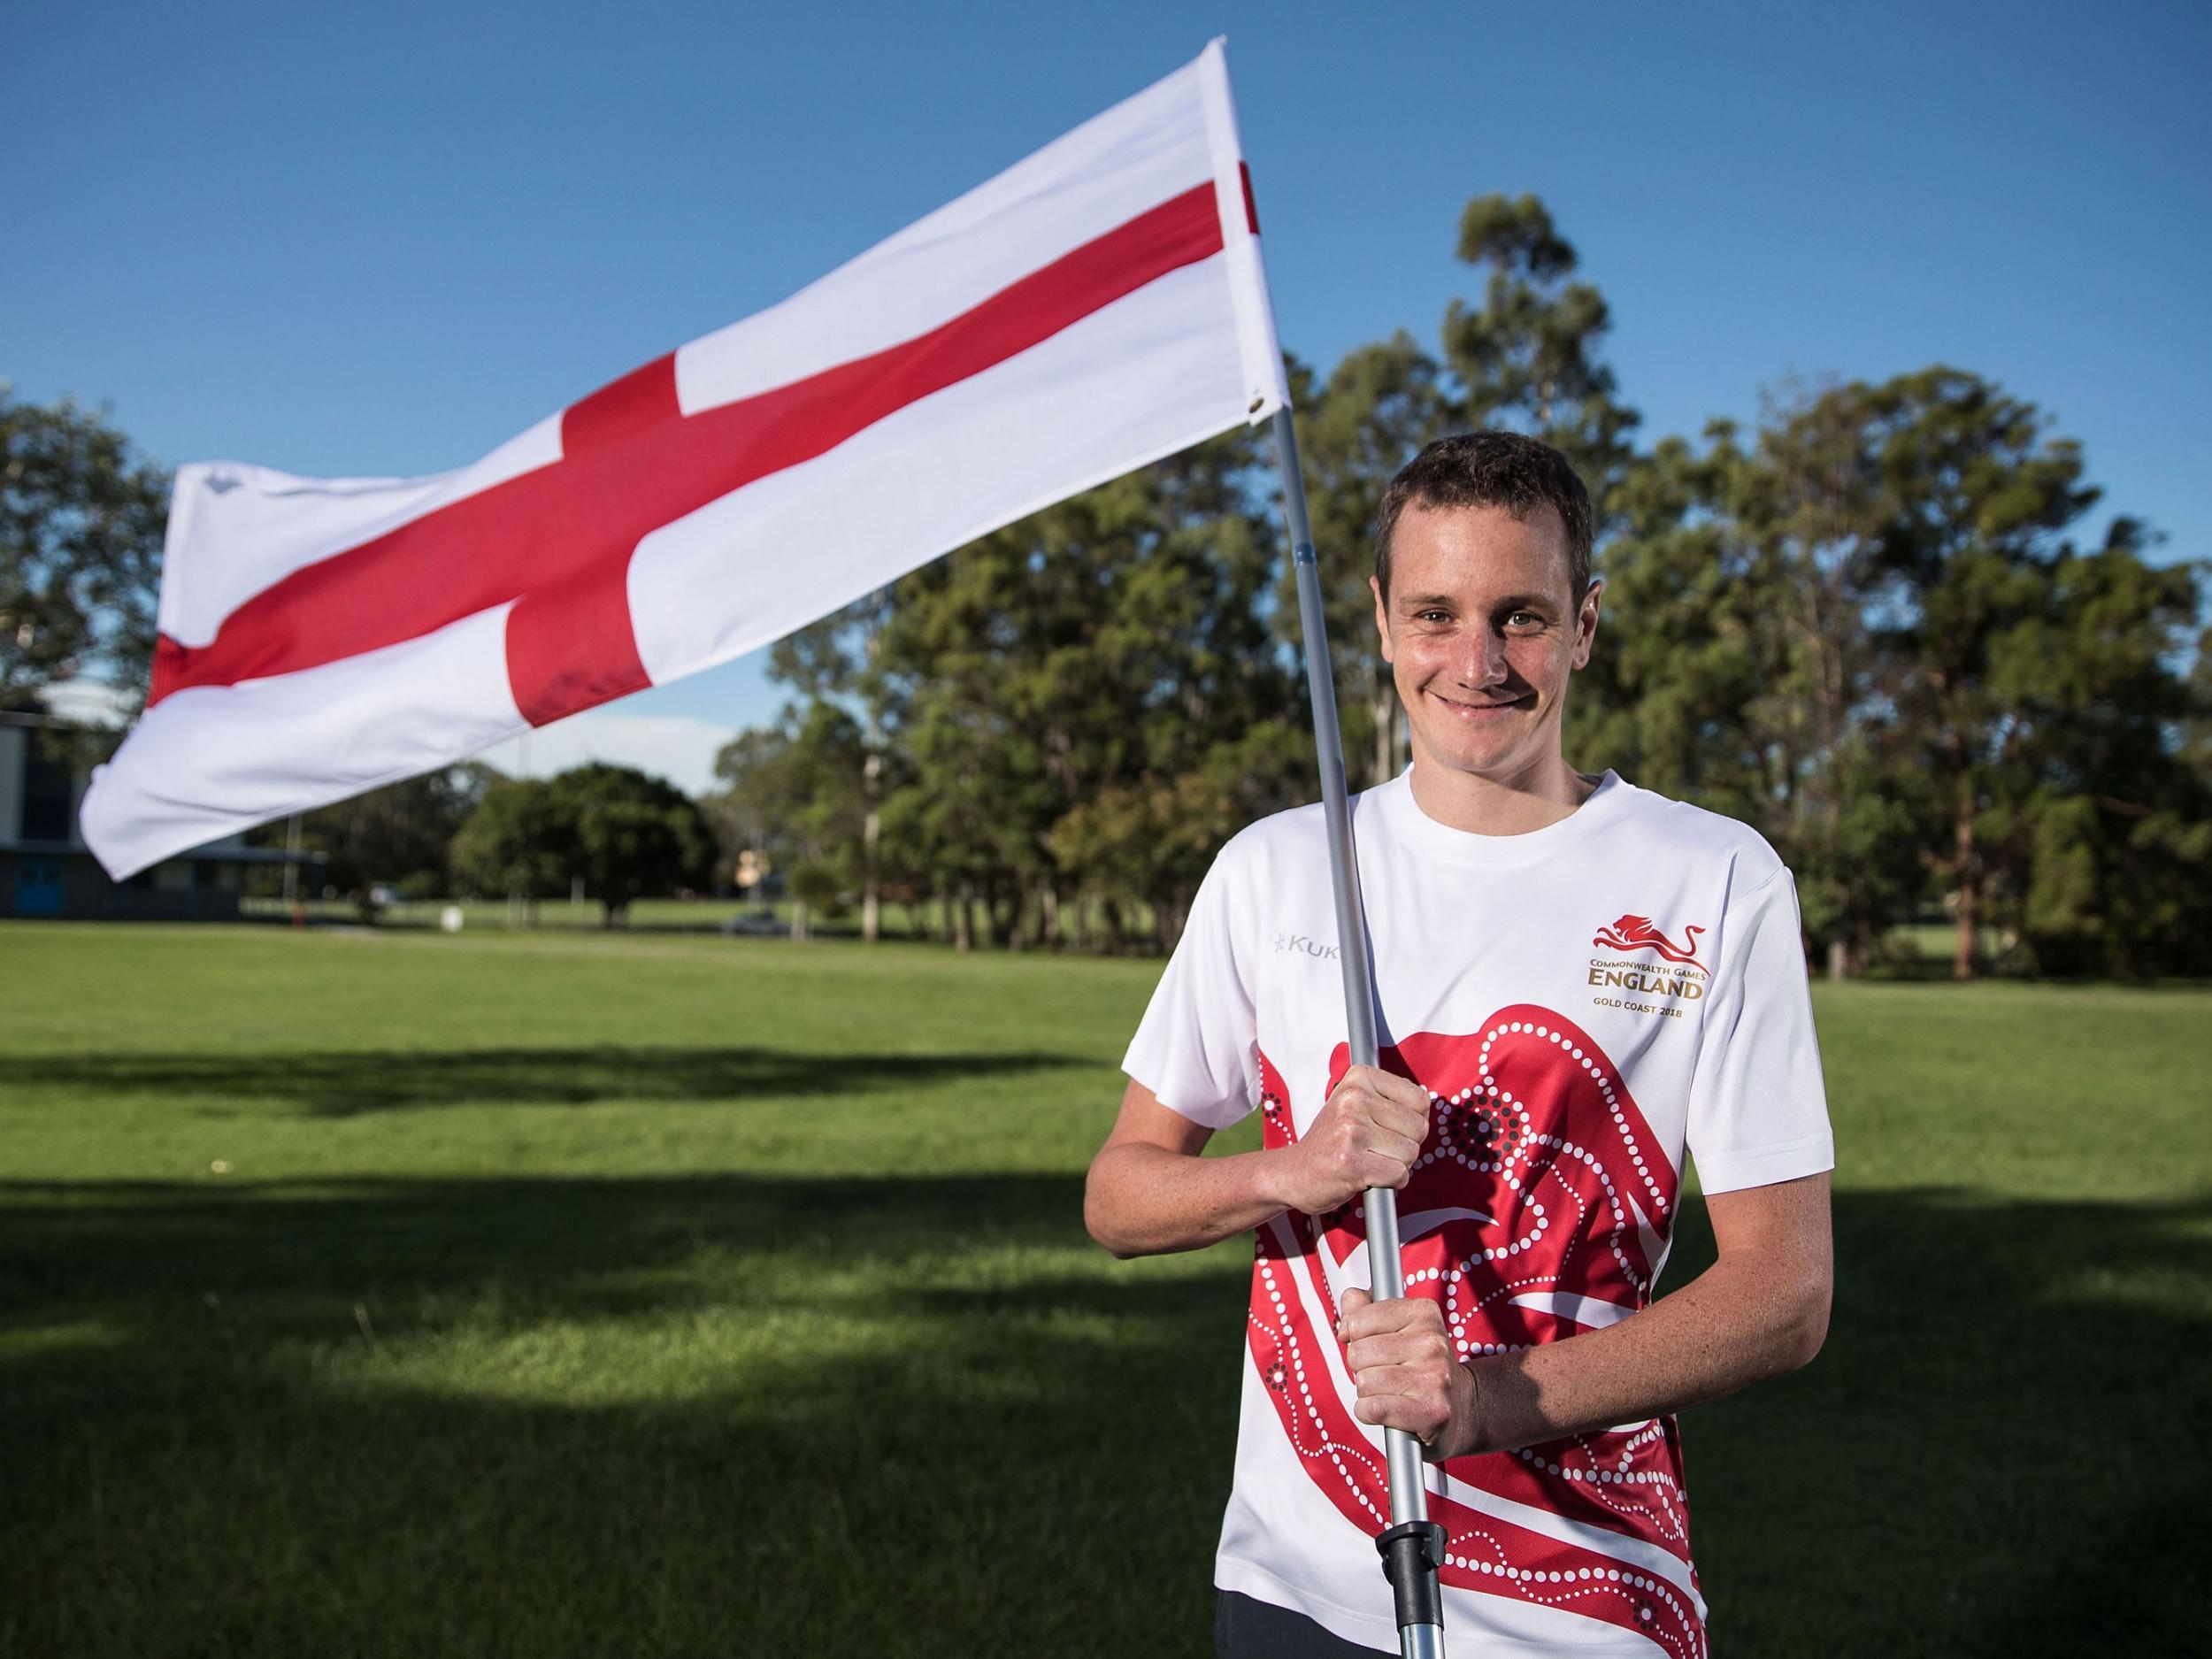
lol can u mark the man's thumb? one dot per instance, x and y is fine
(1353, 1301)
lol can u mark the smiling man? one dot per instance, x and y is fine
(1581, 985)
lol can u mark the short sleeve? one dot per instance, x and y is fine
(1758, 1108)
(1197, 1048)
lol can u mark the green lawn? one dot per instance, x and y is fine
(394, 1294)
(698, 914)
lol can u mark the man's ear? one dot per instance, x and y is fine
(1587, 622)
(1382, 617)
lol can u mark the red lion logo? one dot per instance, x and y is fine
(1640, 932)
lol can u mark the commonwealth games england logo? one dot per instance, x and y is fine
(1640, 932)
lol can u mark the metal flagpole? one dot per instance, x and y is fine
(1413, 1545)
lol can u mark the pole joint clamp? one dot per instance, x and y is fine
(1412, 1554)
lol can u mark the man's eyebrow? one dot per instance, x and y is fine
(1510, 602)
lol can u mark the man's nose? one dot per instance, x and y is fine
(1480, 662)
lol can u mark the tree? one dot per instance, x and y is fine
(1150, 841)
(519, 840)
(1106, 644)
(401, 835)
(797, 793)
(2094, 831)
(1841, 797)
(1737, 669)
(834, 660)
(1103, 641)
(1530, 357)
(2007, 648)
(1865, 631)
(630, 834)
(81, 521)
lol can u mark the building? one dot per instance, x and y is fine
(46, 869)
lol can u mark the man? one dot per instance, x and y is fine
(1577, 981)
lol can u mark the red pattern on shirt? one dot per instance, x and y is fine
(1539, 1180)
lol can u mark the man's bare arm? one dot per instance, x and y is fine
(1761, 1309)
(1150, 1192)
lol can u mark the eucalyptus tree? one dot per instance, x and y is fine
(1987, 665)
(1104, 646)
(1531, 354)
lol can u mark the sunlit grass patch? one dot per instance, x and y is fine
(571, 1296)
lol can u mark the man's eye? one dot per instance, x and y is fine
(1524, 619)
(1432, 616)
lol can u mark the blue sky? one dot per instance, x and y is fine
(382, 239)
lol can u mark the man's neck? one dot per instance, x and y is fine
(1494, 806)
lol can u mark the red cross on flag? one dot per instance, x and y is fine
(1093, 308)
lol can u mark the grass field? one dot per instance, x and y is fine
(565, 1294)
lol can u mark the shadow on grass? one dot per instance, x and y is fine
(907, 1416)
(348, 1084)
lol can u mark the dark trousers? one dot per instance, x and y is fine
(1246, 1629)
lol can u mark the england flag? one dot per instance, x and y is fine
(1093, 308)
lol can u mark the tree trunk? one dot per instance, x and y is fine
(964, 920)
(1970, 884)
(798, 919)
(870, 828)
(1048, 898)
(1838, 960)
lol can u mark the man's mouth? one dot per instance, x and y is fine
(1467, 709)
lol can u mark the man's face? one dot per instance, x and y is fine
(1481, 634)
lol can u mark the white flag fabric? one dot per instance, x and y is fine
(1094, 307)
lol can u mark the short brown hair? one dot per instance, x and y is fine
(1491, 468)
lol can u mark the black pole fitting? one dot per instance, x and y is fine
(1412, 1554)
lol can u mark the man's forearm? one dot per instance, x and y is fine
(1144, 1200)
(1740, 1321)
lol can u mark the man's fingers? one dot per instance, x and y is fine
(1400, 1364)
(1356, 1302)
(1412, 1122)
(1391, 1144)
(1419, 1416)
(1354, 1313)
(1398, 1101)
(1405, 1095)
(1397, 1348)
(1365, 1317)
(1379, 1168)
(1357, 1079)
(1422, 1383)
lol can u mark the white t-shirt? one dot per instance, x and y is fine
(1583, 1002)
